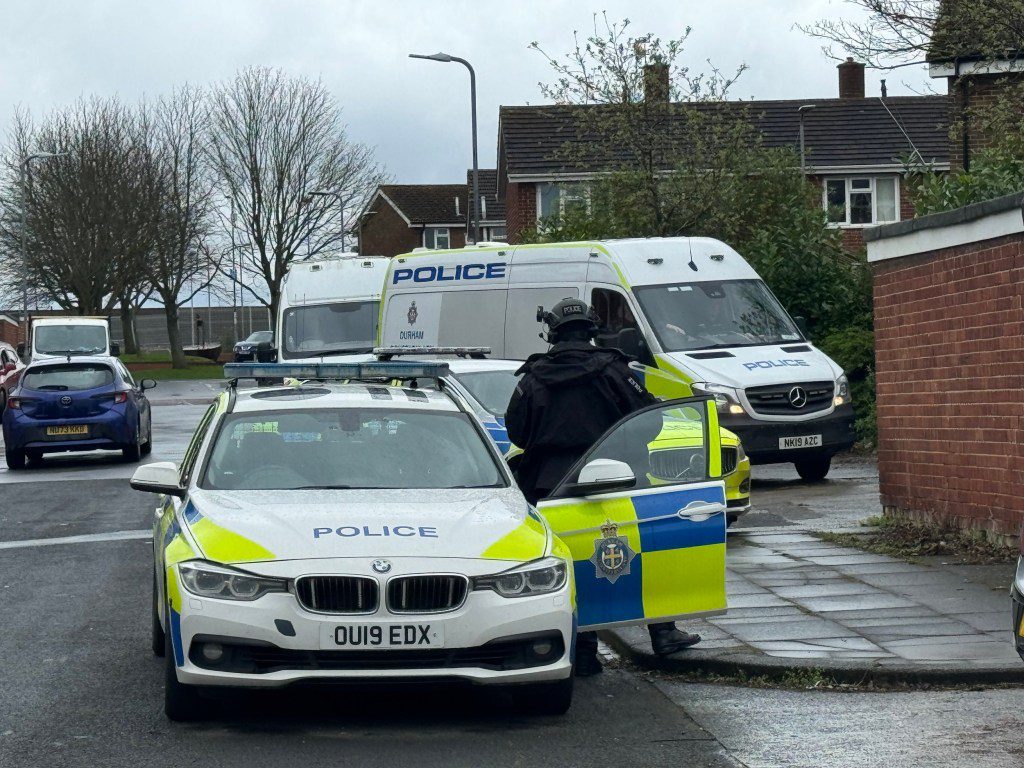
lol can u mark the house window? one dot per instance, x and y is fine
(861, 201)
(559, 199)
(495, 234)
(437, 237)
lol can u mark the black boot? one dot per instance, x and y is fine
(666, 639)
(587, 662)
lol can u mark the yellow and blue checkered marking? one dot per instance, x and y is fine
(678, 567)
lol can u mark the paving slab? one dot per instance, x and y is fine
(801, 603)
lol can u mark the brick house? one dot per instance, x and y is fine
(949, 348)
(854, 148)
(400, 217)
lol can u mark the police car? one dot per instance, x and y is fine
(343, 527)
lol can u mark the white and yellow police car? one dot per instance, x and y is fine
(343, 527)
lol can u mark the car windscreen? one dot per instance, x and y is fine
(713, 314)
(70, 339)
(342, 328)
(68, 378)
(350, 448)
(492, 389)
(259, 337)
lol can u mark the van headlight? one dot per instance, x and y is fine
(536, 578)
(842, 390)
(208, 580)
(727, 399)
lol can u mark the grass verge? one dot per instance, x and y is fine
(910, 540)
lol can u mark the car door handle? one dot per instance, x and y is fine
(699, 511)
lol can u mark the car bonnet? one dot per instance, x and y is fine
(252, 526)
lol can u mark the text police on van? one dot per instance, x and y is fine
(447, 273)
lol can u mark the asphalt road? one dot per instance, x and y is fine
(79, 686)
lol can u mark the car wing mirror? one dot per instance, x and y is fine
(147, 384)
(158, 477)
(602, 476)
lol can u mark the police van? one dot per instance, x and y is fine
(330, 307)
(691, 308)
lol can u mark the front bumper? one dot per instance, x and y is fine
(110, 430)
(761, 438)
(282, 643)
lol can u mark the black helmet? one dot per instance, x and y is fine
(569, 313)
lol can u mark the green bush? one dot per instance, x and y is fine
(854, 350)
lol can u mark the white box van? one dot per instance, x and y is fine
(63, 336)
(691, 307)
(330, 307)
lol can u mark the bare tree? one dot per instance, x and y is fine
(87, 211)
(183, 261)
(900, 33)
(274, 139)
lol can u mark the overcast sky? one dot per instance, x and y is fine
(415, 113)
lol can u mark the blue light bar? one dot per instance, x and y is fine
(405, 369)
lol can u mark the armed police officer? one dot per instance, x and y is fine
(565, 400)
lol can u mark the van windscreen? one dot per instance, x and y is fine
(344, 328)
(70, 339)
(709, 315)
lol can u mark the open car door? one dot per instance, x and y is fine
(643, 513)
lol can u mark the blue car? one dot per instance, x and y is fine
(85, 404)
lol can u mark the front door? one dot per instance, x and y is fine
(652, 549)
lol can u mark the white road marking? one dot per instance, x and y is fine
(85, 538)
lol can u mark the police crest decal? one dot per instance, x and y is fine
(413, 314)
(612, 554)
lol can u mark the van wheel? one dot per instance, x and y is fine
(159, 639)
(182, 703)
(15, 459)
(544, 698)
(814, 468)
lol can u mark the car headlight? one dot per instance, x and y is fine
(740, 453)
(727, 399)
(536, 578)
(209, 580)
(842, 390)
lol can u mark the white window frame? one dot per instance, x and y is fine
(872, 189)
(437, 230)
(489, 233)
(561, 196)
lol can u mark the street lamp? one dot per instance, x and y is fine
(800, 113)
(25, 172)
(445, 58)
(341, 205)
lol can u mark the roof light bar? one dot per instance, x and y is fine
(386, 353)
(408, 369)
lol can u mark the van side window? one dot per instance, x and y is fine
(619, 328)
(522, 331)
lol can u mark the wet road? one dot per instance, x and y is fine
(80, 687)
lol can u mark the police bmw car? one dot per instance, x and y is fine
(358, 523)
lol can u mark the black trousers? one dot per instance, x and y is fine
(586, 642)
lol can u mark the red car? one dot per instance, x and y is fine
(10, 371)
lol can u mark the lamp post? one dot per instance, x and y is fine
(25, 172)
(341, 206)
(445, 58)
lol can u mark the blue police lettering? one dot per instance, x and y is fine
(375, 531)
(783, 363)
(430, 274)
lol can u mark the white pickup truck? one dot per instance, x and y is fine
(69, 337)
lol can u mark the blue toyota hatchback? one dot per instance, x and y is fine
(84, 404)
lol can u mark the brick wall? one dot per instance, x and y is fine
(385, 233)
(520, 209)
(10, 331)
(949, 328)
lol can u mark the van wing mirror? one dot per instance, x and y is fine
(158, 477)
(801, 324)
(21, 349)
(602, 476)
(266, 352)
(115, 349)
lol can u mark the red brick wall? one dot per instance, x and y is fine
(385, 233)
(520, 209)
(949, 352)
(10, 332)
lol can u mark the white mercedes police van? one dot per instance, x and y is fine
(691, 307)
(358, 524)
(330, 307)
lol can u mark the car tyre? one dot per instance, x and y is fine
(35, 458)
(147, 447)
(813, 469)
(730, 518)
(159, 639)
(3, 401)
(15, 459)
(132, 453)
(549, 699)
(182, 703)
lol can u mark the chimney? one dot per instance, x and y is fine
(851, 80)
(656, 83)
